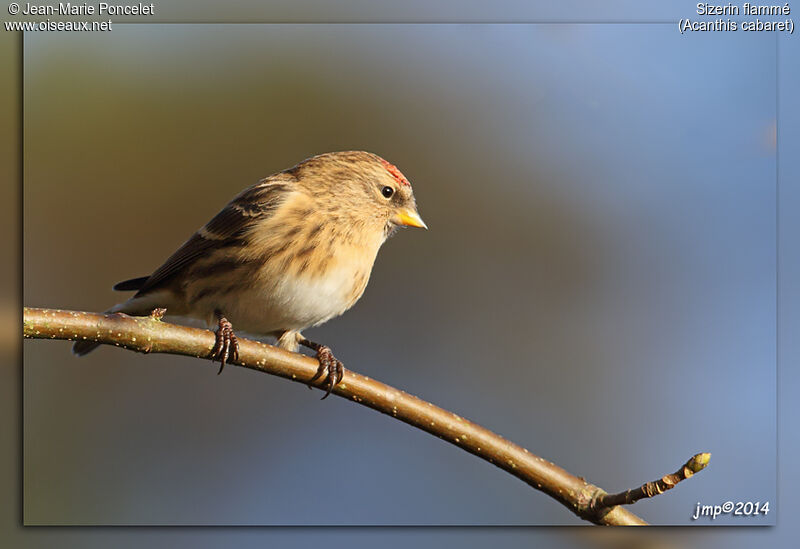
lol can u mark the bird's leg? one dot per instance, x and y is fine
(226, 346)
(329, 365)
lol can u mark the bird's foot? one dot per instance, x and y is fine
(226, 345)
(330, 367)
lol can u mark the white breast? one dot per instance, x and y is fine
(305, 301)
(284, 302)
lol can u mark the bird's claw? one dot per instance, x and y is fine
(330, 367)
(226, 345)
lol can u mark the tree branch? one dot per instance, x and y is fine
(695, 464)
(151, 335)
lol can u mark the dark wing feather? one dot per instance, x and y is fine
(227, 228)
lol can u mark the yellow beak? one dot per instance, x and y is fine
(409, 218)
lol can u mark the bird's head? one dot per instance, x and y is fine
(360, 186)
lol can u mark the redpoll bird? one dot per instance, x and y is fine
(288, 253)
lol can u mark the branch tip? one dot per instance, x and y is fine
(696, 463)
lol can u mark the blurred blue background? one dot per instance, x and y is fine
(599, 274)
(789, 141)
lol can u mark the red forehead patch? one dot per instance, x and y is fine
(397, 174)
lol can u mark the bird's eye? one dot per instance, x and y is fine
(387, 191)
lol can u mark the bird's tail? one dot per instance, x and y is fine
(83, 347)
(130, 285)
(80, 348)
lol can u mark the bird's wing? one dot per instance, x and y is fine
(227, 228)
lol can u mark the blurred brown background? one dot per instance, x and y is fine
(598, 283)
